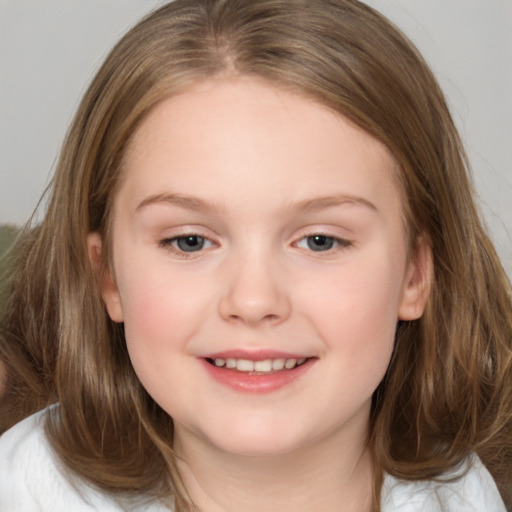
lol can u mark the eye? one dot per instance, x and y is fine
(187, 243)
(321, 243)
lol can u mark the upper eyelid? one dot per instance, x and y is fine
(344, 242)
(304, 233)
(169, 239)
(169, 244)
(189, 231)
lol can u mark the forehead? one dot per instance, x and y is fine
(228, 137)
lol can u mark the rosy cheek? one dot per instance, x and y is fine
(357, 309)
(144, 310)
(161, 310)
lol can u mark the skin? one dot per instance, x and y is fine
(259, 163)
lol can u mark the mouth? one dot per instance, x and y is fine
(257, 367)
(263, 373)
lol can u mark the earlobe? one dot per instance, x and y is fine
(417, 282)
(109, 290)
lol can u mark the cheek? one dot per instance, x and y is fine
(161, 317)
(160, 311)
(355, 312)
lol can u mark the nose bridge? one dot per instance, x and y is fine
(255, 288)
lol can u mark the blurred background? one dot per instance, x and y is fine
(50, 49)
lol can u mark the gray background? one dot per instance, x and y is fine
(49, 50)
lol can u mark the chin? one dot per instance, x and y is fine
(258, 441)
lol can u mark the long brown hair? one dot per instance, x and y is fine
(448, 390)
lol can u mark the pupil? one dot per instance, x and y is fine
(190, 243)
(320, 242)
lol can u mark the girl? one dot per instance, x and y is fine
(261, 282)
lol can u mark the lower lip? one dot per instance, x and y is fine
(256, 382)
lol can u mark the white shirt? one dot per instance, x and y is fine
(33, 479)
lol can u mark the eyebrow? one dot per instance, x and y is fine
(319, 203)
(307, 205)
(186, 202)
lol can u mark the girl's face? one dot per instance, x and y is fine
(260, 267)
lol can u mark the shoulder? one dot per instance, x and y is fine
(32, 477)
(474, 491)
(30, 474)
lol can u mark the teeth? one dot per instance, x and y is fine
(290, 363)
(263, 366)
(278, 364)
(244, 365)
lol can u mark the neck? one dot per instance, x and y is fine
(331, 475)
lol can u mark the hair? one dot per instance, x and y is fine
(448, 389)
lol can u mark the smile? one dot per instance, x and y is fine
(264, 372)
(262, 366)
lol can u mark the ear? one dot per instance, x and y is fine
(417, 281)
(109, 290)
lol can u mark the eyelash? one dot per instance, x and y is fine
(170, 244)
(339, 243)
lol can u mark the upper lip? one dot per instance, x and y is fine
(254, 355)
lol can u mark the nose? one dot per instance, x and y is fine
(254, 293)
